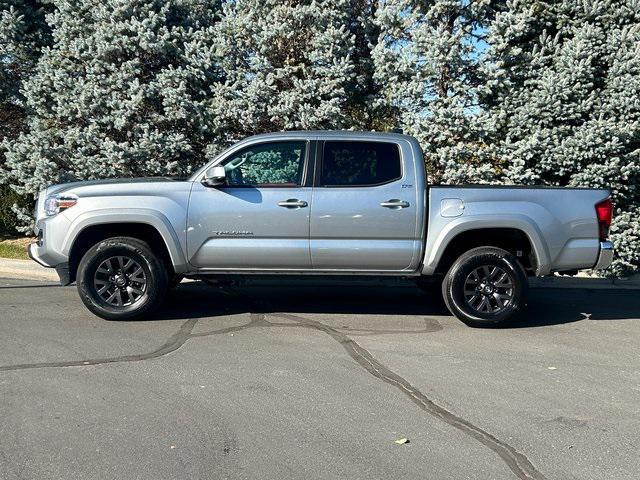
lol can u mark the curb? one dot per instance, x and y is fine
(26, 270)
(30, 270)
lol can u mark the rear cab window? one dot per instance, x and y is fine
(359, 163)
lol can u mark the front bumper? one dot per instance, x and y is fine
(34, 255)
(605, 257)
(62, 269)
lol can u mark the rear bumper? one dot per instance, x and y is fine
(605, 256)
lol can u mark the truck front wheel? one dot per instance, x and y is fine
(120, 278)
(485, 286)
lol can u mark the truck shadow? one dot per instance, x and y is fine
(546, 306)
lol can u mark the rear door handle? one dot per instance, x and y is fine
(293, 203)
(395, 204)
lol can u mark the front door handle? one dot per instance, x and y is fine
(395, 204)
(293, 203)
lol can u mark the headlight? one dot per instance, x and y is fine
(58, 203)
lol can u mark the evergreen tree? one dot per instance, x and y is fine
(124, 91)
(427, 60)
(287, 65)
(563, 94)
(363, 110)
(23, 33)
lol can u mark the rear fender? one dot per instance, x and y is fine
(436, 247)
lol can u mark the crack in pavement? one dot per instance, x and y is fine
(171, 345)
(517, 462)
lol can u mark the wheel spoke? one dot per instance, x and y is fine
(498, 299)
(131, 290)
(481, 305)
(112, 296)
(135, 278)
(126, 293)
(487, 274)
(504, 283)
(491, 305)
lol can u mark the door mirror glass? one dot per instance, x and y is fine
(214, 177)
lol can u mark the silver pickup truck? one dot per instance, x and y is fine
(317, 203)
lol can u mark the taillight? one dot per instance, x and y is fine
(604, 212)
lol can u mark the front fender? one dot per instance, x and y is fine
(133, 215)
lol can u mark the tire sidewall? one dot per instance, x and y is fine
(137, 251)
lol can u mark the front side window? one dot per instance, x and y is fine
(360, 163)
(278, 164)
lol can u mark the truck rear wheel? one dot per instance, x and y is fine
(485, 287)
(120, 278)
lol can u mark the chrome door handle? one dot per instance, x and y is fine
(394, 203)
(293, 203)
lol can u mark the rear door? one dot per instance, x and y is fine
(259, 220)
(364, 215)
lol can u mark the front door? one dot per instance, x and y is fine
(259, 220)
(365, 212)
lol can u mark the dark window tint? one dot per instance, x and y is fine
(360, 163)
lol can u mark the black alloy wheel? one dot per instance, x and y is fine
(485, 286)
(121, 278)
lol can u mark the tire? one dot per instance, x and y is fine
(129, 295)
(485, 287)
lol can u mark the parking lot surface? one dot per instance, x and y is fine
(306, 382)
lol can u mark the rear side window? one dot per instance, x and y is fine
(360, 164)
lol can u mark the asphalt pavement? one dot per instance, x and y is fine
(304, 382)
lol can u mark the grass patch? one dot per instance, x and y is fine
(15, 247)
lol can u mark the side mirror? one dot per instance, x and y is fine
(214, 177)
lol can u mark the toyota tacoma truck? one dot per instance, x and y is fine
(317, 203)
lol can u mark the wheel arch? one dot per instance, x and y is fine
(513, 234)
(158, 233)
